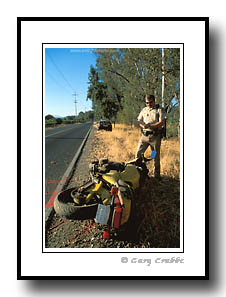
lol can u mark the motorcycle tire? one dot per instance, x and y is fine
(65, 207)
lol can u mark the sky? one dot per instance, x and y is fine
(66, 73)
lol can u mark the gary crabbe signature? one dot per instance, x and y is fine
(172, 260)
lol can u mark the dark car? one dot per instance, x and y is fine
(105, 125)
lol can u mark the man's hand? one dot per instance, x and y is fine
(158, 125)
(141, 124)
(144, 126)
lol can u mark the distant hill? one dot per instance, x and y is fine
(57, 116)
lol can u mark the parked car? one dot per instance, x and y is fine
(104, 124)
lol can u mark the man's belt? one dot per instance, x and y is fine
(147, 133)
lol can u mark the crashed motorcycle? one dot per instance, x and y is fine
(108, 196)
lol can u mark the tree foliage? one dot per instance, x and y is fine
(49, 117)
(103, 103)
(59, 121)
(82, 117)
(122, 77)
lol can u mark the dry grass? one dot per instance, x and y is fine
(121, 145)
(112, 144)
(158, 202)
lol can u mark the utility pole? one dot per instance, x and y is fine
(163, 86)
(75, 102)
(163, 78)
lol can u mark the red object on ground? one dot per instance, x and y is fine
(106, 234)
(51, 200)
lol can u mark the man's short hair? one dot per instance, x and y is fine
(150, 97)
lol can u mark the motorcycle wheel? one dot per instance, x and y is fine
(65, 207)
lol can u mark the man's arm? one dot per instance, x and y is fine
(158, 124)
(141, 124)
(155, 125)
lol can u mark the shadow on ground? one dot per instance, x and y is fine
(155, 222)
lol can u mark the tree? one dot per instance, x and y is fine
(81, 117)
(102, 103)
(59, 121)
(49, 117)
(70, 118)
(89, 115)
(123, 76)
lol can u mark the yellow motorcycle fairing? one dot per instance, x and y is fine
(111, 177)
(100, 191)
(131, 175)
(105, 196)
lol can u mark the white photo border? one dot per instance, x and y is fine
(197, 266)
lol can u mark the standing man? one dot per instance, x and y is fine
(151, 120)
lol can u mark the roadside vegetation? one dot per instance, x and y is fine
(82, 117)
(122, 77)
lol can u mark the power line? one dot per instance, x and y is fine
(52, 77)
(61, 73)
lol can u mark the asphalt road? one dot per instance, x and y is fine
(61, 144)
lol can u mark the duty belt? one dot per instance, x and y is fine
(147, 133)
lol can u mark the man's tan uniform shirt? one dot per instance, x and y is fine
(150, 116)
